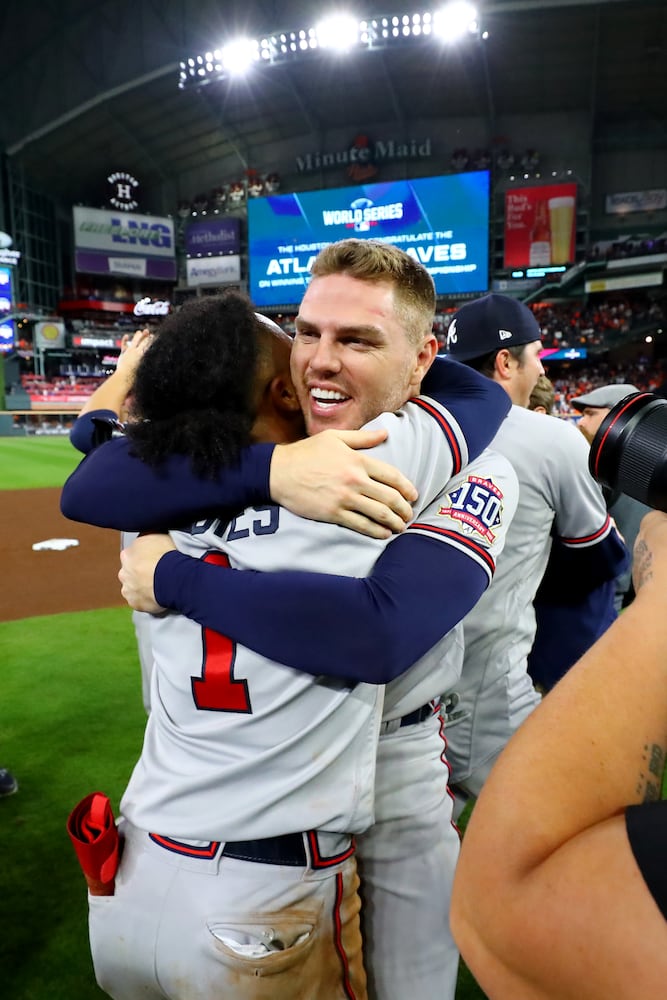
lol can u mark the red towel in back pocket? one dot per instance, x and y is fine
(94, 834)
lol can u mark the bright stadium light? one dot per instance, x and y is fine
(454, 21)
(238, 56)
(339, 32)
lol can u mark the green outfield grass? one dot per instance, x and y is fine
(71, 722)
(36, 462)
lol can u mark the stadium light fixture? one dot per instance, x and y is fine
(340, 32)
(238, 56)
(454, 21)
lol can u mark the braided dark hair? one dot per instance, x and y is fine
(194, 388)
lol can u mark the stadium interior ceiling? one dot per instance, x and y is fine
(92, 86)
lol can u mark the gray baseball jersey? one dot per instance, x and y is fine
(557, 496)
(240, 747)
(141, 622)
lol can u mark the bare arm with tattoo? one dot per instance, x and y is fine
(550, 900)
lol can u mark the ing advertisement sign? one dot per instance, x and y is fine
(540, 225)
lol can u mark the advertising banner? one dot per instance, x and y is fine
(7, 336)
(108, 242)
(216, 235)
(213, 270)
(443, 222)
(627, 281)
(563, 354)
(540, 225)
(6, 297)
(636, 201)
(49, 334)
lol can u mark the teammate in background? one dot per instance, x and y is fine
(558, 610)
(110, 402)
(626, 511)
(542, 397)
(565, 894)
(365, 320)
(559, 500)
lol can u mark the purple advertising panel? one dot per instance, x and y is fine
(96, 262)
(216, 235)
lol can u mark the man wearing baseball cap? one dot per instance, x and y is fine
(626, 512)
(561, 519)
(499, 337)
(594, 406)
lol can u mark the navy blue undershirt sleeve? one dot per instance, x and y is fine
(112, 488)
(369, 629)
(566, 629)
(93, 429)
(572, 572)
(478, 404)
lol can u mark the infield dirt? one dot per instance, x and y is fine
(48, 582)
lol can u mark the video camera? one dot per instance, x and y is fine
(629, 451)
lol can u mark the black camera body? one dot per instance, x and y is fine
(629, 452)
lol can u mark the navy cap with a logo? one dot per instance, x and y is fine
(489, 324)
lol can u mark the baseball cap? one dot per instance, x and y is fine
(605, 396)
(489, 324)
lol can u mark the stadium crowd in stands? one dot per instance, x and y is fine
(572, 382)
(578, 324)
(628, 246)
(588, 324)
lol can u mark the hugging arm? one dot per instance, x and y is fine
(369, 629)
(112, 488)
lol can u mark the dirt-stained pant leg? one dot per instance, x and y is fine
(227, 928)
(406, 862)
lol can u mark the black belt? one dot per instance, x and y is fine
(419, 714)
(411, 719)
(287, 849)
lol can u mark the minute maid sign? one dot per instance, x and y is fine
(363, 156)
(123, 232)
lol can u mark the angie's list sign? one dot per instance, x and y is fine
(540, 225)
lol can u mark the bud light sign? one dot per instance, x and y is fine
(215, 236)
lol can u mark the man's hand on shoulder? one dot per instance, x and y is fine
(328, 477)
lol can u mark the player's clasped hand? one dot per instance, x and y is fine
(328, 477)
(138, 562)
(132, 348)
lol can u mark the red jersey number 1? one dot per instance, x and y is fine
(216, 690)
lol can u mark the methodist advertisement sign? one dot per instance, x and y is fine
(443, 222)
(124, 243)
(215, 235)
(540, 225)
